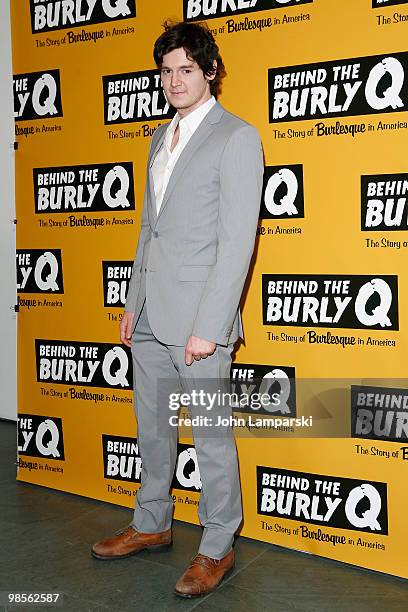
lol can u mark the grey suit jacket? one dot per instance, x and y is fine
(193, 257)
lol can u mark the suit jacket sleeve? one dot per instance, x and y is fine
(134, 282)
(241, 176)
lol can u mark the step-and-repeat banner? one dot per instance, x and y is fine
(325, 309)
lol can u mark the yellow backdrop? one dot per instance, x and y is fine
(326, 301)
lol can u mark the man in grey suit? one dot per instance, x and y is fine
(182, 315)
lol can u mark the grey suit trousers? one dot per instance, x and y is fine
(219, 509)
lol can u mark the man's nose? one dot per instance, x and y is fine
(175, 79)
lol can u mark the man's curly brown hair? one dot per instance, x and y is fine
(199, 45)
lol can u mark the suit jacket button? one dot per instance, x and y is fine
(155, 234)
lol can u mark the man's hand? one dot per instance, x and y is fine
(197, 349)
(126, 328)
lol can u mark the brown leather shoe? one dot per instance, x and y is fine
(127, 542)
(203, 575)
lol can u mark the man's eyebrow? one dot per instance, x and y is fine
(180, 67)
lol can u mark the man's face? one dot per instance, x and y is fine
(184, 83)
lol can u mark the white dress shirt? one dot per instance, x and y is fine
(165, 159)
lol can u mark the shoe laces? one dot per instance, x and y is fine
(125, 529)
(205, 561)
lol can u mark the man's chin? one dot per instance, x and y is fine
(179, 103)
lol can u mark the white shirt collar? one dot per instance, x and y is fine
(191, 121)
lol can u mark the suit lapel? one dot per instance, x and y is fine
(158, 144)
(152, 196)
(201, 134)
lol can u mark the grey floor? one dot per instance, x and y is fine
(45, 539)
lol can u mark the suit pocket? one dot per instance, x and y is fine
(194, 273)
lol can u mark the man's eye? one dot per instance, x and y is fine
(187, 71)
(165, 71)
